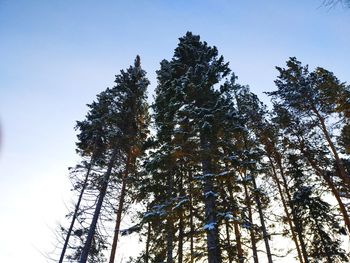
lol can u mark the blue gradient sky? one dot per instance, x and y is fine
(55, 56)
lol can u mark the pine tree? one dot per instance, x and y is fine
(126, 120)
(90, 147)
(186, 98)
(221, 175)
(266, 135)
(251, 112)
(313, 97)
(134, 121)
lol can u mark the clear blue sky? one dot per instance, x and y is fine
(55, 56)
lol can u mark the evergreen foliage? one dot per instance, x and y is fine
(221, 178)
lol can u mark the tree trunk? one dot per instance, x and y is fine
(181, 239)
(148, 242)
(261, 214)
(289, 219)
(228, 241)
(251, 230)
(181, 224)
(238, 240)
(170, 221)
(340, 166)
(340, 202)
(120, 209)
(235, 223)
(191, 219)
(227, 206)
(87, 246)
(213, 244)
(262, 222)
(169, 241)
(75, 212)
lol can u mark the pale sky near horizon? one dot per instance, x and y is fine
(55, 56)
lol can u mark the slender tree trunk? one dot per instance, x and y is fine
(340, 166)
(91, 233)
(120, 208)
(262, 222)
(228, 206)
(181, 239)
(191, 219)
(300, 237)
(170, 240)
(181, 224)
(148, 242)
(228, 241)
(235, 223)
(76, 211)
(213, 244)
(238, 240)
(340, 202)
(289, 219)
(170, 220)
(214, 253)
(261, 214)
(251, 230)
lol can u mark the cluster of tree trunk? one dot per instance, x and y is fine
(216, 177)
